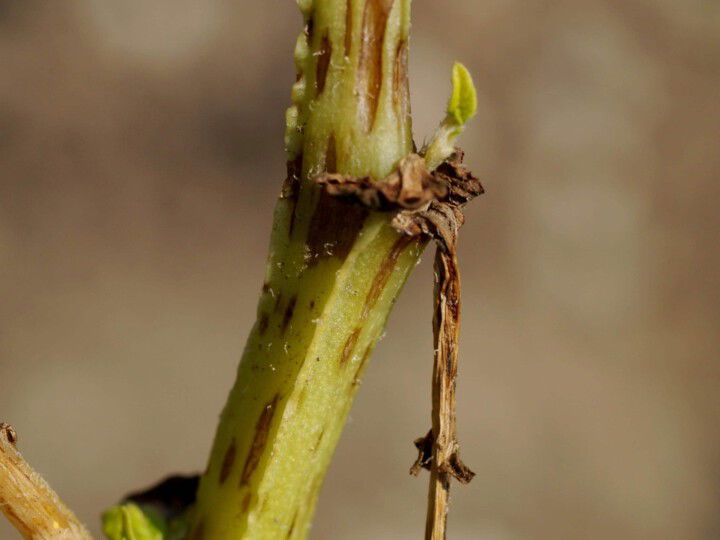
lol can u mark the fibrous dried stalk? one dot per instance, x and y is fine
(445, 462)
(28, 501)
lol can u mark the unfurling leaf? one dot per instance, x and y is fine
(461, 107)
(463, 102)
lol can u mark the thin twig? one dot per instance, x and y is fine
(28, 501)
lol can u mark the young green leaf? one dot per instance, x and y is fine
(461, 107)
(463, 102)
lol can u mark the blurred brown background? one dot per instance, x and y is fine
(140, 155)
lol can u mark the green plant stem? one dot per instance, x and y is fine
(334, 272)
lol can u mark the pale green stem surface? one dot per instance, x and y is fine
(334, 272)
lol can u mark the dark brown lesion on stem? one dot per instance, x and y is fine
(262, 431)
(348, 27)
(289, 311)
(349, 346)
(291, 185)
(228, 461)
(401, 91)
(291, 188)
(334, 225)
(378, 284)
(245, 506)
(310, 27)
(263, 323)
(319, 440)
(384, 272)
(369, 81)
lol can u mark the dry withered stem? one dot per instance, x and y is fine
(445, 461)
(429, 204)
(28, 501)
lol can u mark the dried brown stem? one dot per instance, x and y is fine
(28, 501)
(445, 462)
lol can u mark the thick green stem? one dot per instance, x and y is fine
(334, 272)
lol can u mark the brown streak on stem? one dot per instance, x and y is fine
(349, 346)
(384, 273)
(262, 430)
(263, 323)
(319, 440)
(348, 27)
(401, 92)
(227, 463)
(246, 502)
(323, 63)
(310, 28)
(379, 282)
(291, 188)
(334, 225)
(369, 82)
(289, 310)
